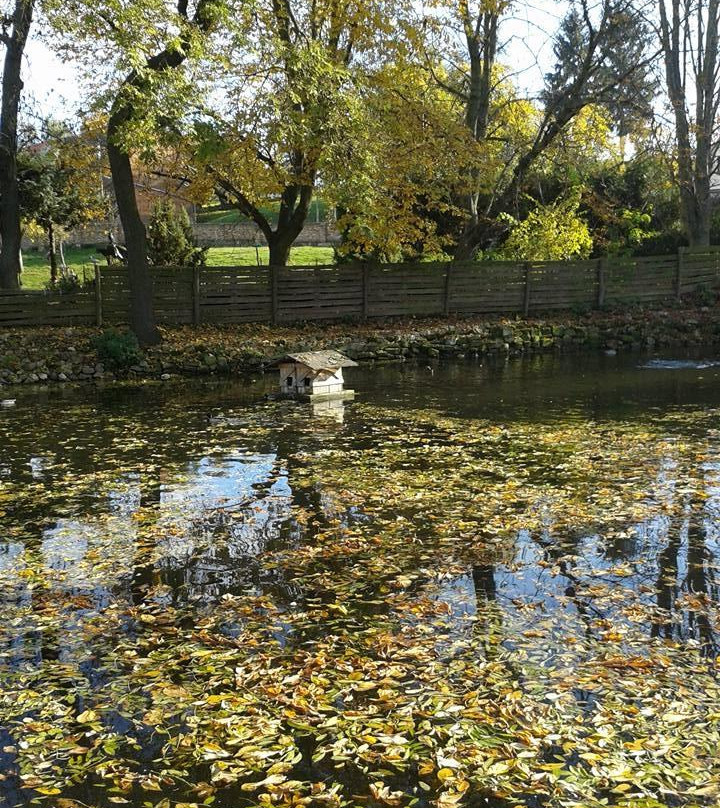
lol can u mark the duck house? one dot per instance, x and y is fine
(314, 375)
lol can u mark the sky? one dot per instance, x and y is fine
(54, 85)
(528, 34)
(49, 81)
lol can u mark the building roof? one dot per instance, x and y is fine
(319, 360)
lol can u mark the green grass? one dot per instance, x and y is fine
(239, 256)
(37, 270)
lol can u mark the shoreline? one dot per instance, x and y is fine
(42, 356)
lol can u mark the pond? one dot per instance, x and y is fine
(475, 585)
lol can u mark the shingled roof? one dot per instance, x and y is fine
(319, 360)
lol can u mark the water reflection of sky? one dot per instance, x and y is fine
(203, 519)
(11, 555)
(211, 512)
(657, 577)
(192, 534)
(180, 513)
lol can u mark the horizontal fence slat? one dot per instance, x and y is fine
(245, 294)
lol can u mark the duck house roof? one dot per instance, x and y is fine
(319, 360)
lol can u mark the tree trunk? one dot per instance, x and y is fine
(142, 312)
(294, 208)
(481, 40)
(279, 248)
(467, 244)
(696, 144)
(52, 248)
(281, 239)
(10, 229)
(483, 234)
(697, 223)
(10, 236)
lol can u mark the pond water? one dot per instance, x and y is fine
(481, 585)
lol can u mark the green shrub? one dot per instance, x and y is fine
(171, 241)
(67, 284)
(705, 295)
(554, 232)
(118, 350)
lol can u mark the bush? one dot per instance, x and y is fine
(554, 232)
(705, 295)
(68, 283)
(665, 242)
(171, 241)
(118, 350)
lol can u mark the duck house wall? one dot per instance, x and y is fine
(298, 378)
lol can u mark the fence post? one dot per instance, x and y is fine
(526, 299)
(365, 291)
(98, 296)
(446, 300)
(679, 271)
(196, 295)
(601, 282)
(274, 297)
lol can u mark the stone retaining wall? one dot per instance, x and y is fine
(238, 234)
(234, 234)
(31, 356)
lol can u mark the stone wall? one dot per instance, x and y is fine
(32, 356)
(90, 234)
(235, 234)
(244, 234)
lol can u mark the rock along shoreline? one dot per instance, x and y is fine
(41, 356)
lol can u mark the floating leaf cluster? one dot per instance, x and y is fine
(409, 609)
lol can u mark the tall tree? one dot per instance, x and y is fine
(151, 40)
(390, 189)
(288, 109)
(14, 35)
(629, 100)
(587, 71)
(689, 40)
(124, 111)
(59, 187)
(480, 28)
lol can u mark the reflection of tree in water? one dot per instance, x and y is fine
(205, 537)
(11, 790)
(143, 569)
(620, 548)
(556, 553)
(210, 545)
(667, 582)
(686, 584)
(115, 549)
(488, 625)
(41, 643)
(697, 585)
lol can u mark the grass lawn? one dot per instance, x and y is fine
(243, 256)
(37, 271)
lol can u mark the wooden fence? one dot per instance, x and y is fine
(363, 291)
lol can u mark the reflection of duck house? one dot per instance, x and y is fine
(314, 375)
